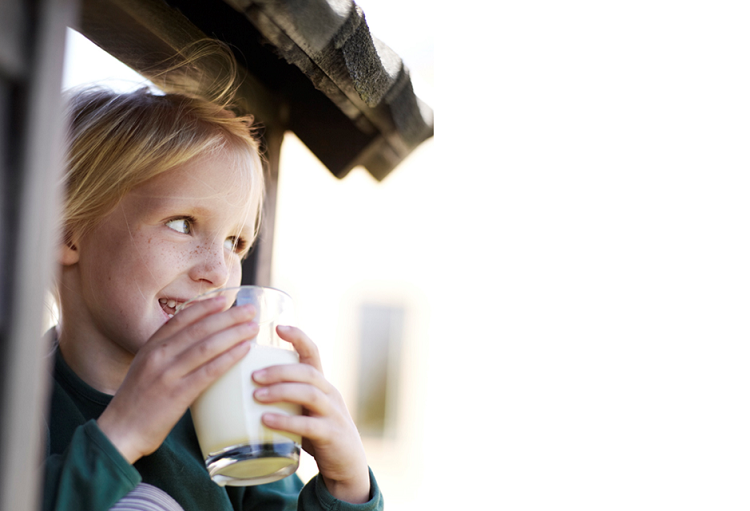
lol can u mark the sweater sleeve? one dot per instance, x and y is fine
(289, 495)
(90, 475)
(315, 497)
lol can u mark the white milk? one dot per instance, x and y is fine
(226, 414)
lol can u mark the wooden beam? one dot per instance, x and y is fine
(143, 34)
(257, 268)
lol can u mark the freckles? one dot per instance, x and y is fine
(198, 251)
(172, 255)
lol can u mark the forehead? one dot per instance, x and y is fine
(216, 185)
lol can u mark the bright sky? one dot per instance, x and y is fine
(86, 62)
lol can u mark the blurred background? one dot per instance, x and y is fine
(546, 306)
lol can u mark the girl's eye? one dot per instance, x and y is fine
(234, 244)
(181, 225)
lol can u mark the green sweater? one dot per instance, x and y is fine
(85, 472)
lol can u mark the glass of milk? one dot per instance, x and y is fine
(239, 450)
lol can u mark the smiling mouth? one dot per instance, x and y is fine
(169, 306)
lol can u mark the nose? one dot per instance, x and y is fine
(211, 265)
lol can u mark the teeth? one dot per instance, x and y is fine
(170, 315)
(168, 303)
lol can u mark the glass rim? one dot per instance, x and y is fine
(203, 296)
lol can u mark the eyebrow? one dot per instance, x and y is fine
(166, 202)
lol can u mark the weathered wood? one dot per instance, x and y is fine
(331, 44)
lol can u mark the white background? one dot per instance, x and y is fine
(601, 155)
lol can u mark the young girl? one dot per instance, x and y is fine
(163, 198)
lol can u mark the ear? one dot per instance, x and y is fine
(68, 253)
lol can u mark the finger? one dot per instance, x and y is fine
(209, 325)
(300, 373)
(212, 346)
(312, 398)
(308, 351)
(312, 428)
(192, 314)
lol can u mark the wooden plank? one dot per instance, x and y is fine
(365, 80)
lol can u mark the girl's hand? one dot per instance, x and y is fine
(171, 370)
(328, 431)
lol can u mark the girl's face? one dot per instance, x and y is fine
(173, 237)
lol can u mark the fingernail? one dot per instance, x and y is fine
(261, 393)
(260, 376)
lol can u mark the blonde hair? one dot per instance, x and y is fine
(120, 140)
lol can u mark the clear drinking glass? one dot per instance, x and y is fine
(239, 450)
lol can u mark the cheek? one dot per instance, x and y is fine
(165, 256)
(235, 274)
(106, 257)
(143, 260)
